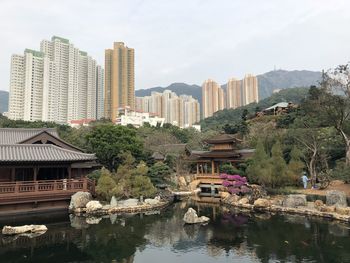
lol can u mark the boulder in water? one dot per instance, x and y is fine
(79, 200)
(191, 217)
(93, 206)
(15, 230)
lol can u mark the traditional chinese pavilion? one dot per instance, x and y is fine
(223, 149)
(40, 170)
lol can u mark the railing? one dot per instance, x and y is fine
(207, 176)
(45, 186)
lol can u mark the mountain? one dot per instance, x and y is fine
(268, 82)
(178, 88)
(283, 79)
(4, 101)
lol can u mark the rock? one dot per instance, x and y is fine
(151, 201)
(106, 207)
(337, 198)
(342, 210)
(261, 202)
(9, 230)
(191, 217)
(232, 199)
(328, 209)
(114, 202)
(224, 195)
(129, 202)
(243, 201)
(294, 200)
(157, 198)
(79, 200)
(318, 204)
(182, 181)
(93, 206)
(93, 220)
(257, 192)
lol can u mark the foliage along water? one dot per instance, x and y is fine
(229, 237)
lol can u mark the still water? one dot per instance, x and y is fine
(229, 237)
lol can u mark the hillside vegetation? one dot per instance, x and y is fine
(234, 116)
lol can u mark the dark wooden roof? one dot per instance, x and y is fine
(40, 153)
(18, 135)
(223, 138)
(34, 136)
(232, 155)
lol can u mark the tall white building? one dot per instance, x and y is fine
(57, 84)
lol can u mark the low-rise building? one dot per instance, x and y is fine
(137, 118)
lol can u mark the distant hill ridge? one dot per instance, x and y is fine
(268, 82)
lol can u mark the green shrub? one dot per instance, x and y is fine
(341, 172)
(105, 185)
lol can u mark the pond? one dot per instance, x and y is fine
(229, 237)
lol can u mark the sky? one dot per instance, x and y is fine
(186, 40)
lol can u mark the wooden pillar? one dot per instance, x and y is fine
(212, 167)
(35, 173)
(69, 172)
(13, 174)
(197, 169)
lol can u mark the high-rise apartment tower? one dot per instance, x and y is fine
(119, 79)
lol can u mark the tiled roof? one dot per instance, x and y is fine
(17, 135)
(40, 153)
(222, 138)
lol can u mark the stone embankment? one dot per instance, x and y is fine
(335, 208)
(82, 204)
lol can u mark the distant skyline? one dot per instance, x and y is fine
(186, 41)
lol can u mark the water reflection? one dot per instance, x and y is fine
(229, 237)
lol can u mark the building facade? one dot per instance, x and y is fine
(57, 83)
(250, 89)
(100, 92)
(119, 79)
(234, 94)
(182, 111)
(213, 98)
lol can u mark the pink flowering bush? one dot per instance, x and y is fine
(235, 184)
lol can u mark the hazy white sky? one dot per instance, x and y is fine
(186, 40)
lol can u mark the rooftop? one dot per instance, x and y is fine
(40, 153)
(222, 138)
(18, 135)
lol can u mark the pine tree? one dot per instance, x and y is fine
(295, 165)
(278, 166)
(259, 170)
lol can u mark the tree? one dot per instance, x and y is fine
(278, 166)
(109, 141)
(259, 168)
(142, 185)
(160, 173)
(105, 185)
(295, 165)
(336, 103)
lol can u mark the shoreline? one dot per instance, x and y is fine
(288, 210)
(122, 210)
